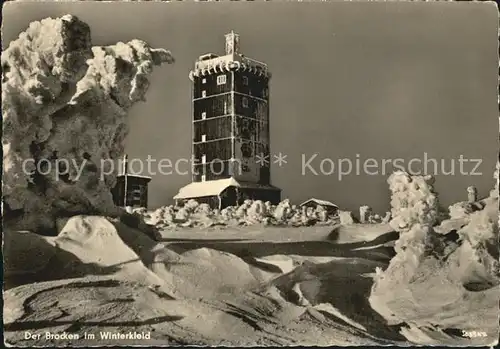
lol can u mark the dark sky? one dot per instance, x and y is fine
(382, 80)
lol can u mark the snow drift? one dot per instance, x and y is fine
(64, 106)
(92, 245)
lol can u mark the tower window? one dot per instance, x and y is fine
(221, 80)
(204, 115)
(203, 178)
(203, 138)
(245, 80)
(245, 102)
(203, 159)
(225, 107)
(204, 81)
(203, 93)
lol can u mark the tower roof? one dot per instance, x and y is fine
(232, 60)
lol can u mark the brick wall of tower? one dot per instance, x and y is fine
(212, 126)
(251, 125)
(208, 83)
(251, 84)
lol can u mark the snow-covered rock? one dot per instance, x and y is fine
(387, 218)
(471, 194)
(364, 214)
(346, 217)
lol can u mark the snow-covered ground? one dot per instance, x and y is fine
(208, 286)
(191, 290)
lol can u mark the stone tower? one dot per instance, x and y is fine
(230, 120)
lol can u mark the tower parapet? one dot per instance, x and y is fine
(233, 60)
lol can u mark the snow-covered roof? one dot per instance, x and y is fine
(214, 187)
(319, 202)
(207, 188)
(233, 61)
